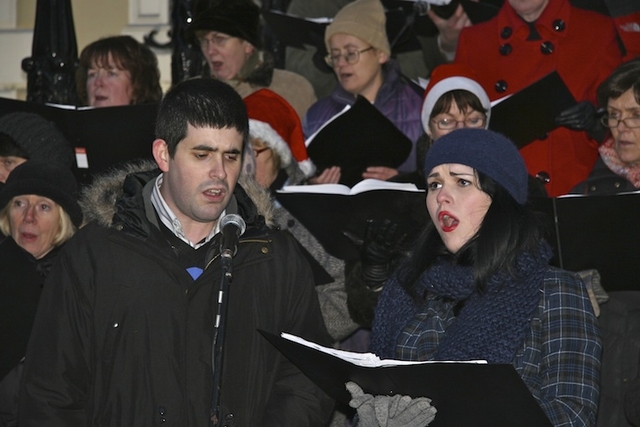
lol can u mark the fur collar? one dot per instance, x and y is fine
(98, 200)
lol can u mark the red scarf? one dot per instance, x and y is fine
(613, 162)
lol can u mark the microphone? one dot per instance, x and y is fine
(421, 7)
(232, 227)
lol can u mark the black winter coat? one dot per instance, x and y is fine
(123, 336)
(20, 289)
(21, 280)
(602, 181)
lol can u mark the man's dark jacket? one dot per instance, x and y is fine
(123, 336)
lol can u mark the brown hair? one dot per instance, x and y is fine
(464, 99)
(128, 54)
(623, 78)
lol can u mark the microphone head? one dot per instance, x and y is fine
(421, 7)
(235, 220)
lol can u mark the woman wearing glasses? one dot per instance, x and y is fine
(229, 36)
(617, 170)
(453, 99)
(359, 54)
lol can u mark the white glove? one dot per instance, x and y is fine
(390, 411)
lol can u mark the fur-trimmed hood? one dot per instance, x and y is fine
(99, 199)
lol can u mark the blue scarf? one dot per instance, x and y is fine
(492, 324)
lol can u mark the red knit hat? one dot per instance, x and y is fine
(448, 77)
(274, 121)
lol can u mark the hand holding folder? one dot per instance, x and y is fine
(464, 393)
(390, 411)
(330, 210)
(531, 113)
(356, 138)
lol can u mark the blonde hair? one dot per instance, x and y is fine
(66, 229)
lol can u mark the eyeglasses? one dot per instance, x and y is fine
(450, 124)
(613, 122)
(216, 39)
(351, 57)
(257, 151)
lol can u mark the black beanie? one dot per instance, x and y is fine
(237, 18)
(38, 137)
(44, 178)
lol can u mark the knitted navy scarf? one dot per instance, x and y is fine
(491, 325)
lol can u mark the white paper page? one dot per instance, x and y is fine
(316, 188)
(363, 359)
(362, 186)
(377, 184)
(344, 110)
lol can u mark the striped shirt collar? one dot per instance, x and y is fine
(171, 221)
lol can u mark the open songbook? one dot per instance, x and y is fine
(364, 185)
(361, 359)
(471, 393)
(329, 211)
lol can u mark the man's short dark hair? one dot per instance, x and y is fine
(201, 102)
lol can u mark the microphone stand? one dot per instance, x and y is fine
(226, 258)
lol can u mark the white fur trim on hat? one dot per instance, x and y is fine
(307, 167)
(269, 136)
(449, 84)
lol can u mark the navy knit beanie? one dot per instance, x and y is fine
(44, 178)
(485, 151)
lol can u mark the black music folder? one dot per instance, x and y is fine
(299, 32)
(598, 232)
(464, 393)
(530, 114)
(356, 138)
(480, 11)
(295, 31)
(101, 137)
(477, 11)
(330, 210)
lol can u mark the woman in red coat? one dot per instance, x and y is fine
(529, 39)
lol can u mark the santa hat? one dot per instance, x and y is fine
(448, 77)
(276, 123)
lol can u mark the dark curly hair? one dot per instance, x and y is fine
(128, 54)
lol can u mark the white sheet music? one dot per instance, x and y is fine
(364, 359)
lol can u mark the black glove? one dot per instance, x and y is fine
(382, 241)
(583, 116)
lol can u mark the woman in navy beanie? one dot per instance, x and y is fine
(478, 284)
